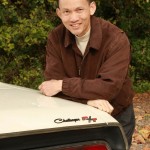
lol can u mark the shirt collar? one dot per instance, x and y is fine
(84, 37)
(95, 36)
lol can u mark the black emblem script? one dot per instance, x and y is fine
(59, 120)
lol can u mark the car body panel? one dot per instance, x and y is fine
(28, 109)
(26, 113)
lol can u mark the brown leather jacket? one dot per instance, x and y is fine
(102, 73)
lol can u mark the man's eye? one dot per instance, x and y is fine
(66, 12)
(80, 10)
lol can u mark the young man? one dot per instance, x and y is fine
(88, 60)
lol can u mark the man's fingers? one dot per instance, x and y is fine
(105, 108)
(51, 87)
(109, 107)
(92, 103)
(103, 105)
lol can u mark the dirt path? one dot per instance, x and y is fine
(141, 137)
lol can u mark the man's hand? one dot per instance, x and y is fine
(51, 87)
(103, 105)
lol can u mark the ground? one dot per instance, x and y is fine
(141, 137)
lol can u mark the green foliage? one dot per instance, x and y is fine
(141, 59)
(141, 64)
(132, 16)
(24, 26)
(142, 86)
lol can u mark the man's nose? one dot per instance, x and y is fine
(74, 17)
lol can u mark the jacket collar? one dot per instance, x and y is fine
(95, 37)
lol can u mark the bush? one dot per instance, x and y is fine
(23, 34)
(141, 64)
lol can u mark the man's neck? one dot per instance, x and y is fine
(82, 41)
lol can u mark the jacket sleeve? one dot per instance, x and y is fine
(110, 78)
(54, 67)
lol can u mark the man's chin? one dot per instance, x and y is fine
(74, 33)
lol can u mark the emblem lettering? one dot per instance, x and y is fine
(59, 120)
(85, 118)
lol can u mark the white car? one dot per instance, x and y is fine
(32, 121)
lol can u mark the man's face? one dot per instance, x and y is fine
(75, 15)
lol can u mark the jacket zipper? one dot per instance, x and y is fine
(81, 64)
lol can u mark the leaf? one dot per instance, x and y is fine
(145, 133)
(139, 139)
(139, 118)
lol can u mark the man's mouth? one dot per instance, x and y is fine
(75, 26)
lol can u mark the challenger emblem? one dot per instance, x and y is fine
(85, 118)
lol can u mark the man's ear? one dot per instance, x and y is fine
(58, 12)
(92, 8)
